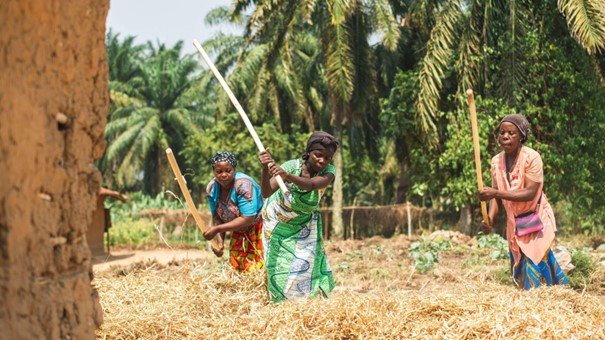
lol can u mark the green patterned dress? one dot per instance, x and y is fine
(297, 266)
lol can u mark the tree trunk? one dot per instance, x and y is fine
(402, 153)
(464, 223)
(337, 197)
(403, 183)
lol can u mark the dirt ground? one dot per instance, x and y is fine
(124, 258)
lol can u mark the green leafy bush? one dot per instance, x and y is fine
(497, 245)
(137, 201)
(581, 276)
(425, 253)
(133, 233)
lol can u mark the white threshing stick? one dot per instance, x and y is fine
(239, 108)
(192, 209)
(475, 130)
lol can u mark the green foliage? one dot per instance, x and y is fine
(138, 201)
(456, 164)
(230, 134)
(143, 232)
(302, 66)
(123, 57)
(536, 69)
(433, 66)
(586, 20)
(149, 112)
(130, 229)
(133, 233)
(425, 253)
(581, 276)
(497, 245)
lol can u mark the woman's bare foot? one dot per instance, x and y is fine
(218, 252)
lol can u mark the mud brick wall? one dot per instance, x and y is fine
(52, 66)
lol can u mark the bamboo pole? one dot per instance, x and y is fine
(192, 209)
(238, 107)
(475, 129)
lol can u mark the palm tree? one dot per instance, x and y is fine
(123, 60)
(285, 90)
(140, 131)
(464, 31)
(342, 61)
(475, 44)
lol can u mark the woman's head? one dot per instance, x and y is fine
(321, 147)
(224, 163)
(513, 131)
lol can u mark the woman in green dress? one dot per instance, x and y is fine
(295, 259)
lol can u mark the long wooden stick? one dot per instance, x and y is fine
(238, 107)
(475, 128)
(196, 215)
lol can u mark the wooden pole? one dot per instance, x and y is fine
(351, 221)
(475, 129)
(238, 107)
(192, 209)
(409, 213)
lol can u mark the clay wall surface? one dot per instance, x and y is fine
(52, 60)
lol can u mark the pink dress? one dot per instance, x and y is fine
(528, 165)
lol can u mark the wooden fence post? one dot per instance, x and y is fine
(407, 207)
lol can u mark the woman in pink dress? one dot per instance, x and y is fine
(517, 180)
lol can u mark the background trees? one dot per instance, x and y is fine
(148, 113)
(387, 77)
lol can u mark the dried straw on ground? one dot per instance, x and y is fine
(209, 300)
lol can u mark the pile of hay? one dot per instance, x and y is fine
(453, 236)
(377, 296)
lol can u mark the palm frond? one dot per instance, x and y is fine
(148, 137)
(265, 13)
(273, 103)
(340, 10)
(436, 60)
(226, 49)
(123, 142)
(217, 16)
(260, 96)
(308, 7)
(121, 112)
(513, 80)
(385, 23)
(469, 61)
(286, 78)
(339, 61)
(122, 57)
(586, 21)
(126, 173)
(181, 120)
(166, 77)
(115, 126)
(243, 78)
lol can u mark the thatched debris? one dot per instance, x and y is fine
(378, 295)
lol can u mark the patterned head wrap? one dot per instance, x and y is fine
(223, 156)
(320, 140)
(520, 122)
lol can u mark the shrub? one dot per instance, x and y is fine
(133, 233)
(497, 244)
(582, 275)
(425, 253)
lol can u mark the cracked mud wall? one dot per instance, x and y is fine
(52, 60)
